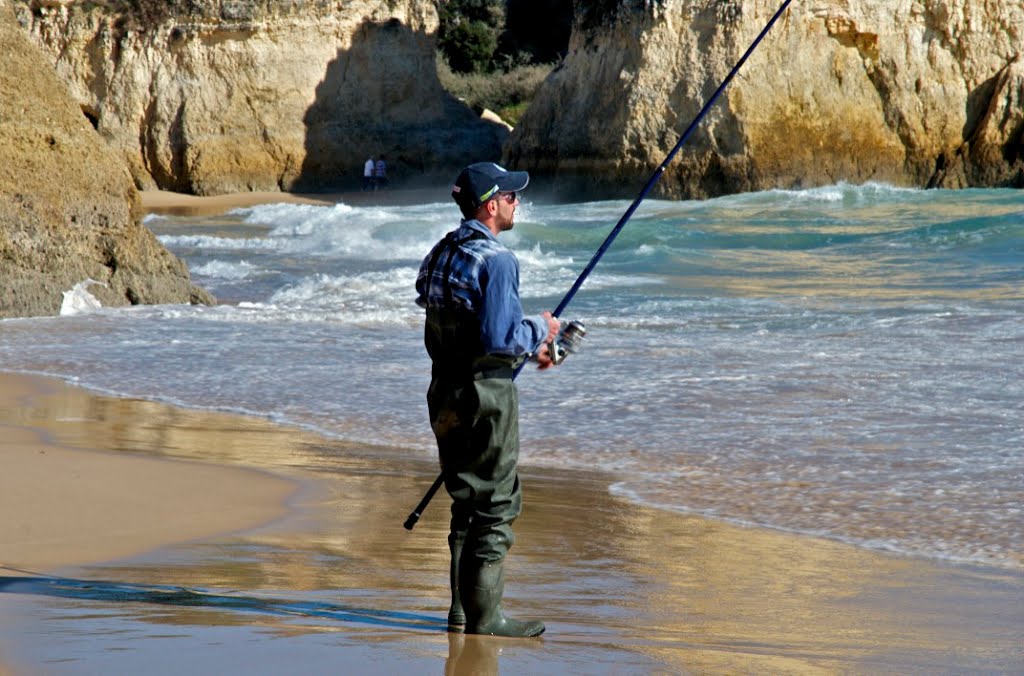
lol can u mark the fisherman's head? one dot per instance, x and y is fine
(485, 190)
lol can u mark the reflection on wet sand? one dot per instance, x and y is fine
(622, 588)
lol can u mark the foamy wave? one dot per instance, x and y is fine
(226, 270)
(78, 300)
(368, 298)
(288, 309)
(216, 243)
(293, 219)
(362, 233)
(536, 258)
(842, 191)
(327, 289)
(343, 231)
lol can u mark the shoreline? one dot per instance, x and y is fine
(167, 202)
(628, 587)
(163, 202)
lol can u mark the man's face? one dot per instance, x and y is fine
(507, 202)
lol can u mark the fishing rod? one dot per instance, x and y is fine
(410, 522)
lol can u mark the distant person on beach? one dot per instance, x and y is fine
(476, 336)
(380, 174)
(368, 170)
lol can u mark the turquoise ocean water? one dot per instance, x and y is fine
(845, 361)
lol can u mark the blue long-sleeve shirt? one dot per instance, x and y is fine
(484, 279)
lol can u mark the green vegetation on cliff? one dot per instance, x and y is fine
(140, 15)
(507, 93)
(495, 53)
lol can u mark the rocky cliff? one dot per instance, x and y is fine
(68, 208)
(912, 92)
(263, 94)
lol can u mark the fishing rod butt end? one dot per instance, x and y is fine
(411, 521)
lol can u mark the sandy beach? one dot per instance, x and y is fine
(77, 505)
(146, 538)
(624, 589)
(163, 201)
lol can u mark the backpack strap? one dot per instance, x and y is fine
(449, 244)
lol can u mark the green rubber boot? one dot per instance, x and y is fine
(482, 586)
(456, 615)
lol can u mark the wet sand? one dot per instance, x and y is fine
(65, 505)
(338, 584)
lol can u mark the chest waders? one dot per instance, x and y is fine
(474, 413)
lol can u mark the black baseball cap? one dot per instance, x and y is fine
(482, 181)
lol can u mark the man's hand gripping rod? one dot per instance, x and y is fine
(655, 177)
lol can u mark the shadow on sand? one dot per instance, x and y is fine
(169, 595)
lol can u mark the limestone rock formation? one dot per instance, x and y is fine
(253, 95)
(68, 208)
(912, 92)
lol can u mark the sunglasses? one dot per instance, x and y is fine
(510, 197)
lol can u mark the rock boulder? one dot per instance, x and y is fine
(911, 92)
(69, 210)
(248, 95)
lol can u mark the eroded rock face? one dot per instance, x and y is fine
(69, 210)
(249, 95)
(917, 93)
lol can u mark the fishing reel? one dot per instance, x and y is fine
(568, 341)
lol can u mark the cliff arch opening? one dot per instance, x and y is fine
(382, 96)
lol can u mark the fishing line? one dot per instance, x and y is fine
(651, 182)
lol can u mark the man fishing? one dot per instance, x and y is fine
(476, 336)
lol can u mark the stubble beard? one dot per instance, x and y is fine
(510, 222)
